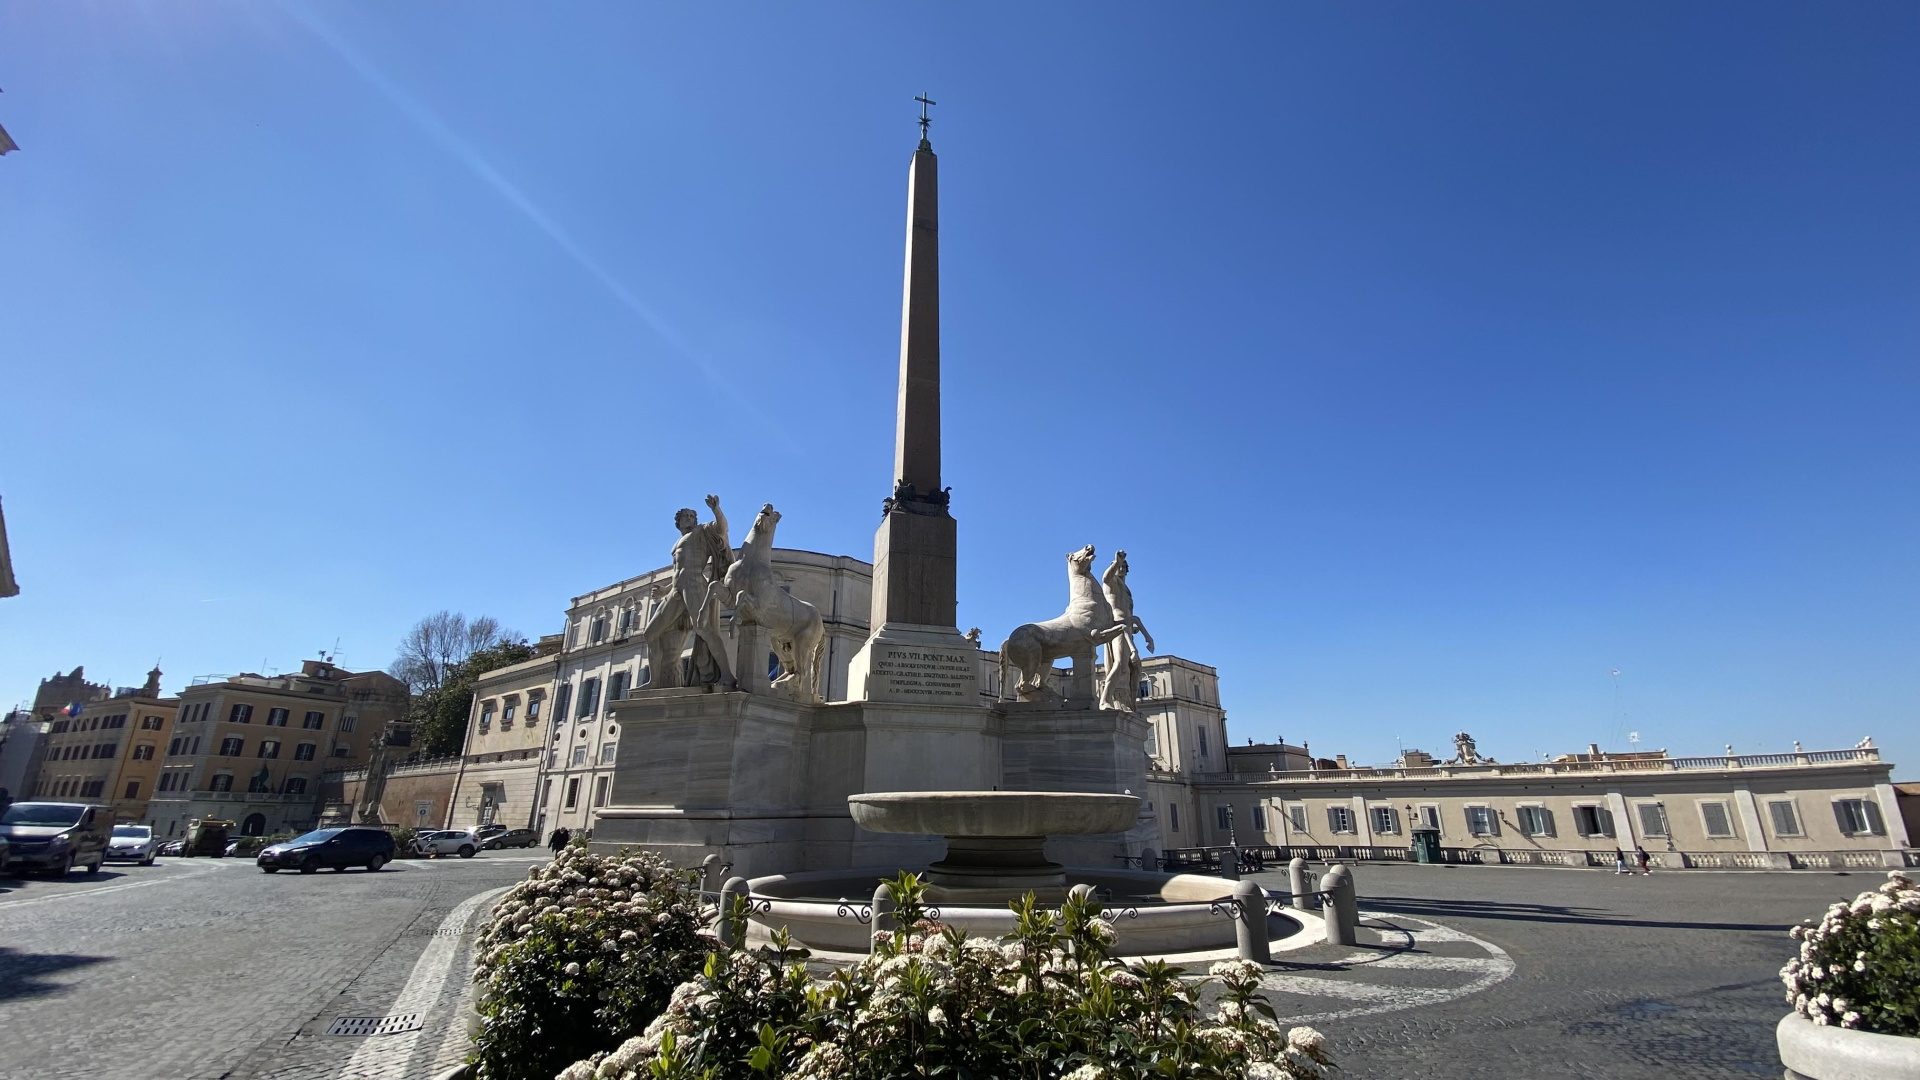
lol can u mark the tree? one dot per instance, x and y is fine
(440, 715)
(440, 643)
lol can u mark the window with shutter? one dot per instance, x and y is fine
(1536, 821)
(1481, 822)
(1259, 817)
(1297, 815)
(589, 697)
(1718, 822)
(1653, 820)
(1223, 817)
(1858, 817)
(1384, 819)
(1340, 819)
(1785, 821)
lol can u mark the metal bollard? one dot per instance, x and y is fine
(1349, 900)
(710, 873)
(1250, 923)
(732, 926)
(1301, 884)
(882, 916)
(1337, 883)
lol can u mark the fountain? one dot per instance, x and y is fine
(996, 854)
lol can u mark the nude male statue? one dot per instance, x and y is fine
(700, 560)
(1121, 687)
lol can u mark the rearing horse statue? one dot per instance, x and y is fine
(793, 626)
(1088, 622)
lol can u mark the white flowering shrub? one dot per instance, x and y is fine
(581, 956)
(1047, 1002)
(1859, 967)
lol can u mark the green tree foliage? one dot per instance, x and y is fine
(440, 714)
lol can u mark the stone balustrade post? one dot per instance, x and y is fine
(732, 925)
(710, 873)
(883, 918)
(1250, 922)
(1300, 884)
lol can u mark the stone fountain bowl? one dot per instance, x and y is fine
(994, 813)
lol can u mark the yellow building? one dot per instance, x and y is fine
(108, 749)
(250, 748)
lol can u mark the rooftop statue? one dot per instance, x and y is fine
(797, 634)
(693, 596)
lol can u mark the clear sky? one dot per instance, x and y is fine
(1431, 361)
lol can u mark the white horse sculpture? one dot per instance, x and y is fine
(1087, 623)
(793, 626)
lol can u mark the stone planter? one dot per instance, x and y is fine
(1815, 1052)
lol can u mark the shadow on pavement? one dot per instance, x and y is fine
(24, 974)
(1547, 913)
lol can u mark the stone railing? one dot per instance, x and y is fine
(1254, 857)
(1803, 759)
(424, 765)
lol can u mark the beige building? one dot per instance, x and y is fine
(107, 749)
(250, 748)
(499, 779)
(1813, 809)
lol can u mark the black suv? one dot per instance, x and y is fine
(338, 848)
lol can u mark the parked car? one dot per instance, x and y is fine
(485, 833)
(173, 847)
(5, 848)
(55, 837)
(338, 848)
(513, 838)
(134, 843)
(447, 842)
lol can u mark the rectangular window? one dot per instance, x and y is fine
(573, 793)
(580, 754)
(1718, 823)
(143, 752)
(241, 714)
(107, 750)
(626, 621)
(533, 710)
(296, 785)
(1384, 819)
(1173, 816)
(92, 789)
(486, 716)
(346, 724)
(257, 785)
(597, 629)
(221, 782)
(133, 790)
(1482, 822)
(1223, 818)
(1535, 821)
(152, 723)
(546, 793)
(1340, 819)
(1430, 817)
(562, 700)
(276, 718)
(617, 687)
(507, 712)
(600, 790)
(269, 748)
(1785, 821)
(1297, 816)
(1592, 821)
(314, 721)
(589, 697)
(1260, 817)
(1653, 821)
(230, 747)
(607, 751)
(1859, 817)
(1200, 733)
(341, 751)
(304, 752)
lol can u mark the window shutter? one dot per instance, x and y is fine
(1605, 817)
(1650, 823)
(1843, 818)
(1715, 814)
(1871, 812)
(1783, 822)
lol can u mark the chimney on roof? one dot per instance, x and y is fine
(1593, 750)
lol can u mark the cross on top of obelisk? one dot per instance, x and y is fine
(925, 101)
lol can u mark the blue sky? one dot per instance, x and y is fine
(1431, 361)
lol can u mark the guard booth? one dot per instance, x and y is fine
(1426, 845)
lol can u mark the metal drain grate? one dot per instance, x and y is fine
(375, 1025)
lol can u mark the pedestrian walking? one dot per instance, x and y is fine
(1620, 862)
(1640, 855)
(558, 841)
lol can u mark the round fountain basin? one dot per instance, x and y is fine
(994, 813)
(1152, 914)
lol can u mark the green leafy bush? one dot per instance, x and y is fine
(1047, 1002)
(403, 842)
(580, 957)
(1859, 967)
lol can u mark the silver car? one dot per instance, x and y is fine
(132, 843)
(447, 842)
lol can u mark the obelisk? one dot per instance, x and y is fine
(916, 652)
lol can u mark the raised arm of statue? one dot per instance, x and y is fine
(721, 548)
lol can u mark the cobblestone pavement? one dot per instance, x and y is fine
(1672, 974)
(207, 969)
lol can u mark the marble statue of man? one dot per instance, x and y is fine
(1121, 688)
(700, 560)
